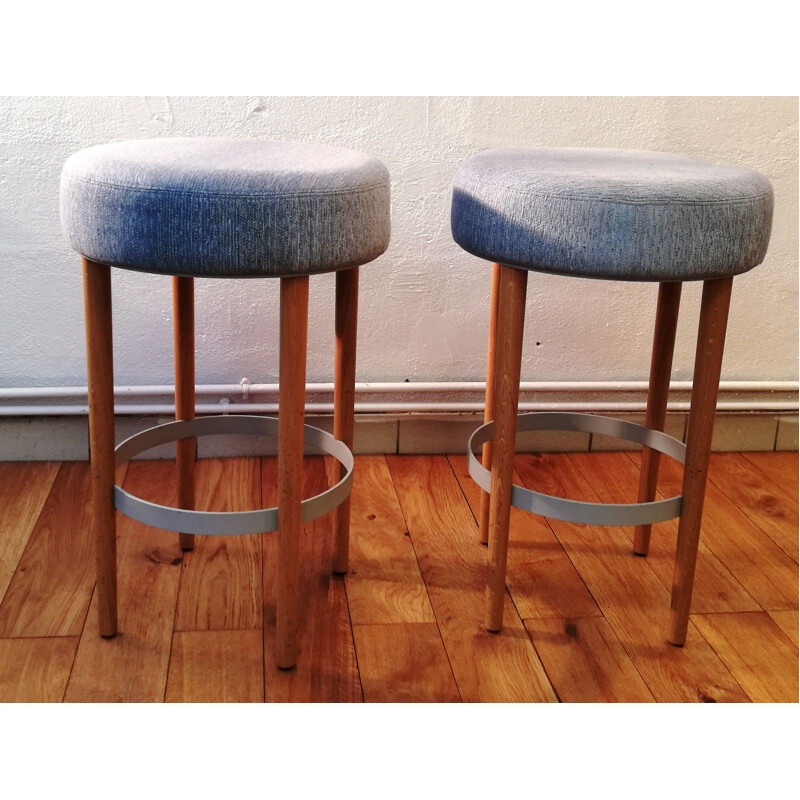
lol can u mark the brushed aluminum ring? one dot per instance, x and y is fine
(574, 510)
(227, 523)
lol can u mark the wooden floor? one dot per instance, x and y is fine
(585, 618)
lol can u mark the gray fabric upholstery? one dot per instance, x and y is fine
(614, 214)
(225, 207)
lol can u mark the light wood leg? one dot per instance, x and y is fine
(291, 414)
(100, 363)
(183, 335)
(344, 393)
(669, 300)
(489, 398)
(506, 374)
(707, 368)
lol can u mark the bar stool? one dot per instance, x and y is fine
(221, 208)
(615, 215)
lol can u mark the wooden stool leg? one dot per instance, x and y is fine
(489, 398)
(291, 416)
(707, 367)
(100, 363)
(344, 393)
(505, 378)
(669, 300)
(183, 335)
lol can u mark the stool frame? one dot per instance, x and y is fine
(291, 417)
(506, 326)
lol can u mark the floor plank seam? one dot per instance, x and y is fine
(574, 566)
(83, 628)
(631, 553)
(422, 576)
(33, 523)
(721, 487)
(721, 660)
(724, 613)
(28, 538)
(704, 543)
(541, 660)
(720, 559)
(566, 553)
(352, 637)
(36, 638)
(736, 613)
(464, 496)
(747, 455)
(616, 636)
(174, 620)
(77, 647)
(617, 633)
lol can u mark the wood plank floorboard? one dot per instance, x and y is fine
(781, 468)
(716, 590)
(35, 670)
(788, 623)
(216, 667)
(326, 670)
(541, 579)
(765, 489)
(384, 584)
(632, 598)
(404, 663)
(764, 569)
(221, 577)
(24, 487)
(52, 585)
(585, 661)
(132, 666)
(760, 655)
(501, 667)
(401, 656)
(585, 619)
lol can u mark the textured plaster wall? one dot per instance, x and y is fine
(424, 303)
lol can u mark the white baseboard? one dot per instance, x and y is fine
(66, 438)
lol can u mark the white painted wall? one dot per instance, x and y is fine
(424, 303)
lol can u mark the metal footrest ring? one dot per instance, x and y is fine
(574, 510)
(227, 523)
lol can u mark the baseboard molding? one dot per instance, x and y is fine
(66, 438)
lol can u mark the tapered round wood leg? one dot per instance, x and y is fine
(707, 368)
(183, 335)
(489, 398)
(291, 412)
(507, 363)
(344, 394)
(100, 363)
(669, 300)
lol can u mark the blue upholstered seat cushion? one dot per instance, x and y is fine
(225, 207)
(615, 214)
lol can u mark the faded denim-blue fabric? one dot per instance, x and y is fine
(227, 208)
(613, 214)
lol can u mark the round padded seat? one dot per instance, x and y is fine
(613, 214)
(225, 208)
